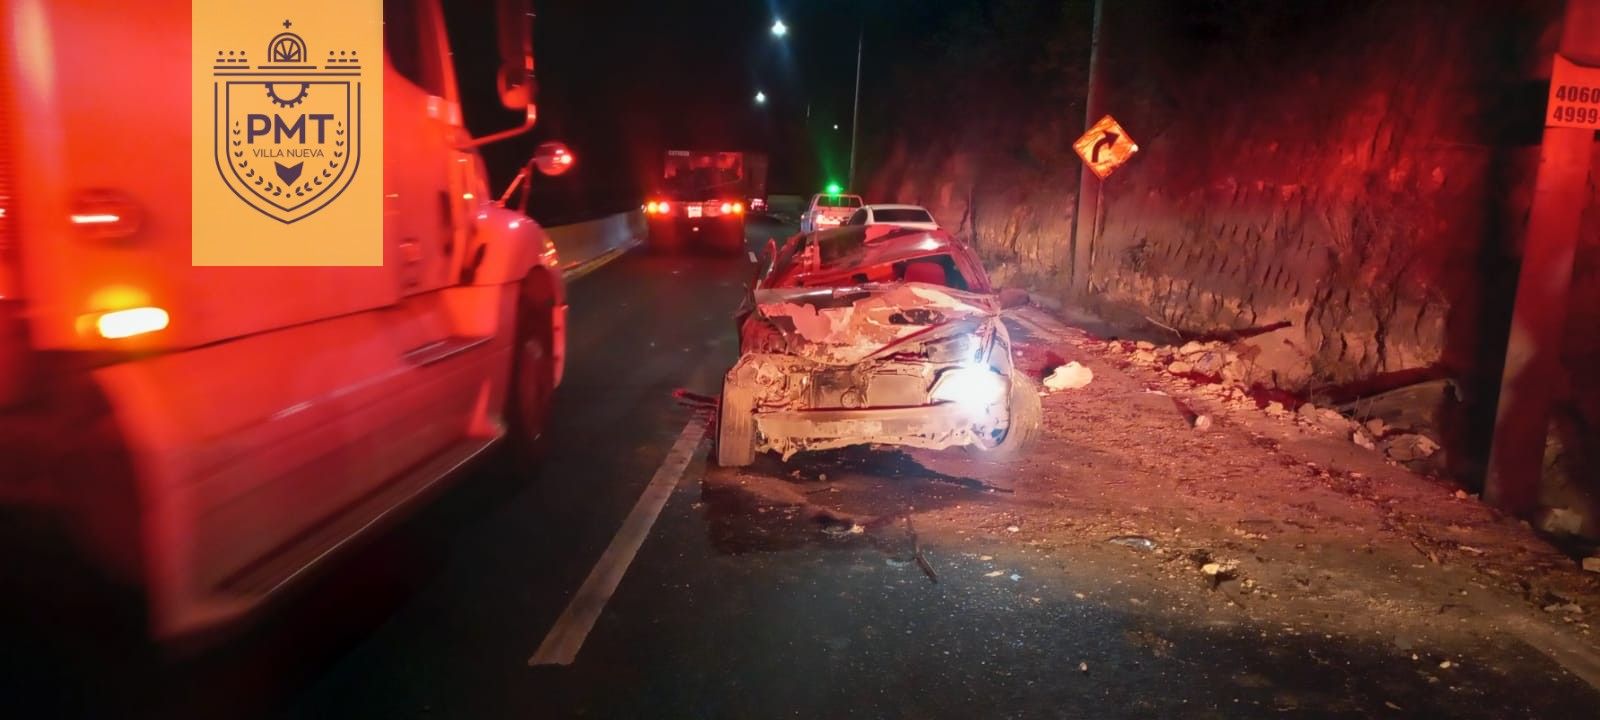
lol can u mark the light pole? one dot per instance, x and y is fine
(781, 30)
(855, 106)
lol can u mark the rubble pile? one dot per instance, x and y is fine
(1222, 373)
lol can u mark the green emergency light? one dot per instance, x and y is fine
(834, 189)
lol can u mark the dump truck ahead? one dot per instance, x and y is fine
(702, 198)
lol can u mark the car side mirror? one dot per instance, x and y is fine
(553, 158)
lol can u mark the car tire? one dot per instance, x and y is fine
(532, 367)
(736, 426)
(1023, 425)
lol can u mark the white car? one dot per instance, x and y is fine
(906, 216)
(828, 210)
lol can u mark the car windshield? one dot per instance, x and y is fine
(839, 201)
(907, 215)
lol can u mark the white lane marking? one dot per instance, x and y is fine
(561, 645)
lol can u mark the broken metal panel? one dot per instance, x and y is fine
(843, 326)
(933, 427)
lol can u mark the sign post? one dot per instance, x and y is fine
(1104, 147)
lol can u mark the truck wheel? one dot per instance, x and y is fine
(736, 427)
(1023, 425)
(532, 365)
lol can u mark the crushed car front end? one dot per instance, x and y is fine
(908, 364)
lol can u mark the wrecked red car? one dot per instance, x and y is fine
(867, 335)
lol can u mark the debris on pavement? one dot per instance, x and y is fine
(1592, 564)
(1083, 667)
(1361, 438)
(1202, 422)
(1070, 376)
(916, 553)
(1137, 542)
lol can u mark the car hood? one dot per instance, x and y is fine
(849, 324)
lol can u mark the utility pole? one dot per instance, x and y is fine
(1085, 222)
(1533, 350)
(855, 107)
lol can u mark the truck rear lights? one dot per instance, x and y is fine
(657, 208)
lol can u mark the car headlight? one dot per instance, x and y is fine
(974, 388)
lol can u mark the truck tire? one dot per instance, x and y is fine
(1023, 426)
(532, 366)
(736, 426)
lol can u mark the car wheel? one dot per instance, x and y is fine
(736, 426)
(532, 366)
(1023, 425)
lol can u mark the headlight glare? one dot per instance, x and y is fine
(974, 388)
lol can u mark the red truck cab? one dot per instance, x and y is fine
(209, 435)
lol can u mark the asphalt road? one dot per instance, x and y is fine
(732, 608)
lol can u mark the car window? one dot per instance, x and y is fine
(859, 217)
(839, 201)
(907, 215)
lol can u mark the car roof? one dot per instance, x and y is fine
(856, 245)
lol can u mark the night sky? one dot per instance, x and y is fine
(623, 80)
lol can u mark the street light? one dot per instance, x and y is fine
(779, 29)
(761, 98)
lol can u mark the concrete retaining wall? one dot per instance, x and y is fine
(580, 244)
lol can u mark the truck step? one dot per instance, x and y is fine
(383, 506)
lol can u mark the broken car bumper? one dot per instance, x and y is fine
(933, 427)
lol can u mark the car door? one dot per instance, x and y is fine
(808, 219)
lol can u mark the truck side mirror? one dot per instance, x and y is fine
(515, 80)
(553, 158)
